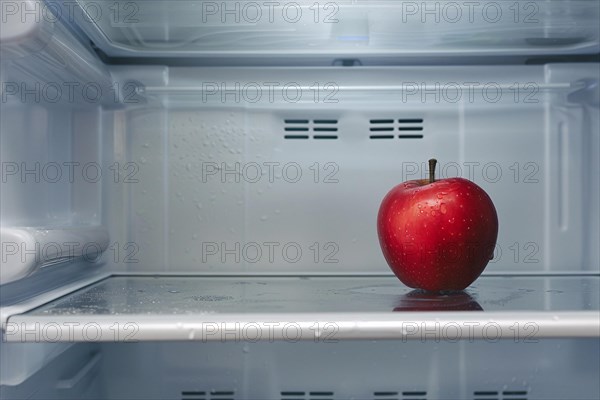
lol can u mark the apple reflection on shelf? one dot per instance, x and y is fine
(419, 300)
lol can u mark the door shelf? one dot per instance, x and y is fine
(315, 308)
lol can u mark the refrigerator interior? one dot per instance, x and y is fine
(188, 209)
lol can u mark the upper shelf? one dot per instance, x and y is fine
(340, 29)
(202, 308)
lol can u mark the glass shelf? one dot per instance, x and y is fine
(203, 308)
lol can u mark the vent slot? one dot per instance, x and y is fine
(414, 395)
(385, 395)
(292, 395)
(401, 125)
(327, 127)
(381, 137)
(410, 128)
(382, 121)
(314, 395)
(305, 125)
(387, 129)
(193, 395)
(295, 137)
(494, 395)
(327, 137)
(406, 395)
(410, 136)
(204, 395)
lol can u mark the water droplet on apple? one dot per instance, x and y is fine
(443, 209)
(433, 213)
(451, 220)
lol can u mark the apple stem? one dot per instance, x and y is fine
(432, 164)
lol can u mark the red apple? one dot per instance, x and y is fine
(437, 235)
